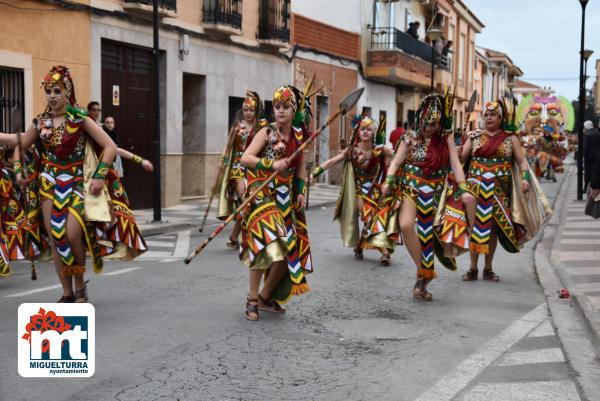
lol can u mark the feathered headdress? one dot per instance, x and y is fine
(380, 136)
(435, 108)
(61, 76)
(509, 116)
(253, 100)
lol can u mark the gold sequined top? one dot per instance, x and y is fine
(503, 151)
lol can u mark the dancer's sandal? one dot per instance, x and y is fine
(358, 253)
(232, 243)
(81, 295)
(270, 305)
(417, 289)
(426, 295)
(251, 312)
(489, 275)
(385, 259)
(470, 275)
(66, 299)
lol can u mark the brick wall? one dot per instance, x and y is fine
(314, 34)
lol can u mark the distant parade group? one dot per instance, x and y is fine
(438, 194)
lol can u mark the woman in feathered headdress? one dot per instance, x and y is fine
(511, 206)
(274, 233)
(74, 200)
(364, 170)
(417, 176)
(233, 185)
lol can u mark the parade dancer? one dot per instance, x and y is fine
(233, 184)
(417, 175)
(274, 237)
(74, 199)
(499, 176)
(21, 225)
(364, 171)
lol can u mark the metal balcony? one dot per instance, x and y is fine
(222, 13)
(273, 26)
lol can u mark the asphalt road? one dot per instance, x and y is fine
(174, 332)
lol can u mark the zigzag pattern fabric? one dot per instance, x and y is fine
(489, 180)
(63, 193)
(273, 219)
(482, 227)
(425, 214)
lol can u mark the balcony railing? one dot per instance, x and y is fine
(389, 38)
(223, 12)
(274, 17)
(169, 4)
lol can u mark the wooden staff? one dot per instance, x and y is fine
(215, 187)
(25, 194)
(346, 104)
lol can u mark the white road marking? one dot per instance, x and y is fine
(53, 287)
(451, 384)
(543, 330)
(121, 271)
(582, 270)
(183, 244)
(569, 241)
(548, 355)
(531, 391)
(34, 291)
(573, 255)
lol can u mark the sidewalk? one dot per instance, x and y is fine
(189, 214)
(576, 256)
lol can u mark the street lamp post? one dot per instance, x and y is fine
(581, 110)
(434, 35)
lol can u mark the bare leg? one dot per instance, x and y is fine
(493, 244)
(240, 189)
(474, 259)
(408, 213)
(255, 277)
(65, 281)
(277, 271)
(76, 242)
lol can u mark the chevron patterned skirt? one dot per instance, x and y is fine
(490, 180)
(424, 192)
(273, 229)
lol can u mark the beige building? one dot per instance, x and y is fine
(212, 51)
(26, 55)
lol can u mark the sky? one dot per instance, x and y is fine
(542, 37)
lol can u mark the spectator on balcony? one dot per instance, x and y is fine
(438, 46)
(446, 50)
(413, 29)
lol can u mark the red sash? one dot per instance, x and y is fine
(488, 150)
(437, 155)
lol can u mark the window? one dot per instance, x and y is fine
(461, 60)
(366, 111)
(12, 100)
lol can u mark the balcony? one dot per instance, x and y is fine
(144, 8)
(222, 16)
(273, 26)
(396, 57)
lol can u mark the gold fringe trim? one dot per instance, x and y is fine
(299, 289)
(426, 273)
(479, 248)
(74, 269)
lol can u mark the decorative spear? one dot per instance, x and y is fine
(343, 108)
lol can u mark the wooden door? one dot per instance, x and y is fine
(129, 69)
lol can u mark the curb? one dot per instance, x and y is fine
(580, 301)
(166, 228)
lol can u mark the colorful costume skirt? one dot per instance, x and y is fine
(273, 230)
(490, 181)
(123, 239)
